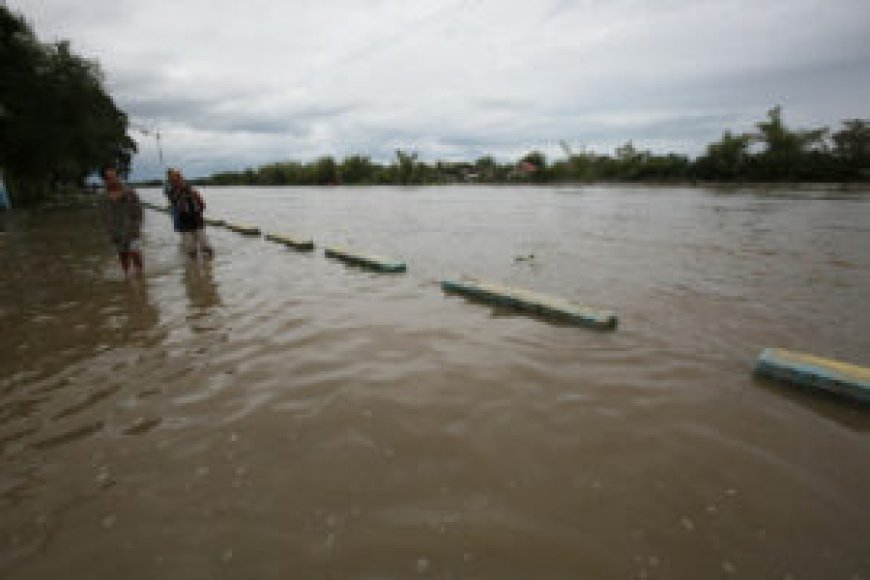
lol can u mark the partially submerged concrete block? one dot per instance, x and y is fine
(292, 242)
(534, 302)
(378, 263)
(815, 372)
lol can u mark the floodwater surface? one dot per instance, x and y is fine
(276, 414)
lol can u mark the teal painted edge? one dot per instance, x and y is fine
(575, 315)
(304, 245)
(811, 376)
(375, 263)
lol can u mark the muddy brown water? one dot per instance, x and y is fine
(279, 414)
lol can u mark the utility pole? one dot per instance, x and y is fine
(155, 132)
(159, 147)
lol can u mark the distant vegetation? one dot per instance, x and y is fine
(58, 125)
(57, 122)
(772, 153)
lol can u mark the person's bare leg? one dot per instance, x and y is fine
(204, 244)
(125, 262)
(136, 258)
(190, 243)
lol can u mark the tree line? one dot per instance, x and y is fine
(58, 125)
(771, 153)
(57, 122)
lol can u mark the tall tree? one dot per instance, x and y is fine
(786, 150)
(57, 122)
(852, 143)
(324, 171)
(406, 167)
(356, 169)
(726, 159)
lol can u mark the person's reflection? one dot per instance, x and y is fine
(142, 316)
(202, 292)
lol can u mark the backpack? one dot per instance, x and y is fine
(189, 210)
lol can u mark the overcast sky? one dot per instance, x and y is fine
(232, 84)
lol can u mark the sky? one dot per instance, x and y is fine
(236, 84)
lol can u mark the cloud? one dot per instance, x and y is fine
(233, 84)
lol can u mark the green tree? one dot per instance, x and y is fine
(852, 144)
(786, 151)
(406, 167)
(726, 159)
(57, 123)
(630, 162)
(272, 174)
(356, 169)
(324, 171)
(486, 168)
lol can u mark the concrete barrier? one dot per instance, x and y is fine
(815, 372)
(304, 245)
(244, 229)
(378, 263)
(533, 302)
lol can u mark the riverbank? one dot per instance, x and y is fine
(758, 186)
(64, 199)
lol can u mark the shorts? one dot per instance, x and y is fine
(195, 241)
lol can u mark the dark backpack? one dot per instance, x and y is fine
(189, 210)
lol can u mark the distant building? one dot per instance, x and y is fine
(527, 168)
(523, 169)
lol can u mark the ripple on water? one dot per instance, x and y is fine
(274, 410)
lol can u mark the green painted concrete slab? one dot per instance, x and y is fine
(815, 372)
(379, 263)
(292, 242)
(244, 229)
(534, 302)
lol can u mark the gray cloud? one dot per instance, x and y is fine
(232, 84)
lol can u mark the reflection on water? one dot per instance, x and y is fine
(202, 291)
(273, 412)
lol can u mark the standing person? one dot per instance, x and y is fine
(122, 215)
(170, 197)
(189, 207)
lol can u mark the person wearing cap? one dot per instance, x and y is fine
(170, 197)
(122, 216)
(189, 207)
